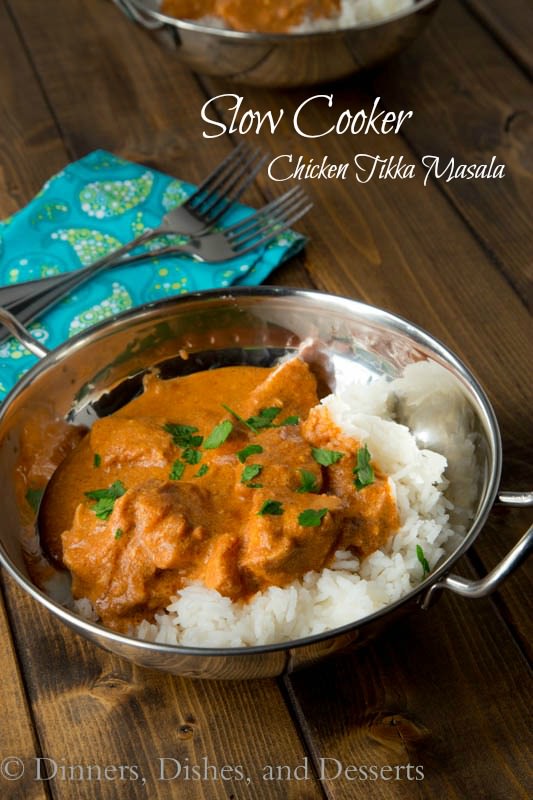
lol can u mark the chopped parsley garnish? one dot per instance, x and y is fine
(309, 482)
(310, 518)
(272, 507)
(250, 472)
(191, 456)
(105, 499)
(183, 435)
(218, 435)
(178, 468)
(33, 498)
(364, 474)
(118, 533)
(237, 416)
(290, 421)
(97, 460)
(203, 469)
(264, 419)
(423, 560)
(326, 457)
(249, 450)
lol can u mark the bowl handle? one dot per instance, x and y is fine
(21, 333)
(490, 582)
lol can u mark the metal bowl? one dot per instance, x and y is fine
(98, 371)
(281, 60)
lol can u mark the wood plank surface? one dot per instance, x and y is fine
(443, 690)
(18, 745)
(90, 707)
(472, 103)
(30, 147)
(147, 105)
(511, 22)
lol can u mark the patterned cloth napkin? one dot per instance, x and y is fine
(90, 208)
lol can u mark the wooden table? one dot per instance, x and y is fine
(446, 691)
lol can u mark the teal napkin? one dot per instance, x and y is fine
(88, 209)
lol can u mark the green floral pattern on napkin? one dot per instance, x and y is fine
(89, 209)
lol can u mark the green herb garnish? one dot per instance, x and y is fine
(191, 456)
(272, 507)
(118, 533)
(264, 419)
(183, 435)
(290, 421)
(33, 498)
(218, 435)
(423, 560)
(97, 460)
(178, 468)
(364, 474)
(203, 469)
(249, 450)
(310, 518)
(105, 499)
(250, 472)
(309, 482)
(237, 416)
(326, 457)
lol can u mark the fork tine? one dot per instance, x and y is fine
(243, 224)
(235, 155)
(268, 223)
(214, 183)
(275, 212)
(214, 205)
(273, 233)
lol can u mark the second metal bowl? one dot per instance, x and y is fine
(281, 60)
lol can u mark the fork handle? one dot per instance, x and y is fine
(19, 292)
(26, 310)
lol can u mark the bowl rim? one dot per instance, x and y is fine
(373, 313)
(256, 36)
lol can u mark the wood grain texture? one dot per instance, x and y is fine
(473, 103)
(442, 691)
(93, 708)
(511, 22)
(17, 736)
(143, 105)
(30, 148)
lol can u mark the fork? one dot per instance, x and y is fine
(196, 216)
(254, 231)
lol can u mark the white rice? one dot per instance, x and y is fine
(356, 12)
(349, 589)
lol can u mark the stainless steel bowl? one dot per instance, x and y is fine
(98, 371)
(281, 60)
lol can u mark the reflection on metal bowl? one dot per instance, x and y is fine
(281, 60)
(100, 370)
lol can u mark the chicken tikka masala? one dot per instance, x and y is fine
(265, 16)
(235, 477)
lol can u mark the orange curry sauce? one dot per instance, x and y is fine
(265, 16)
(217, 476)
